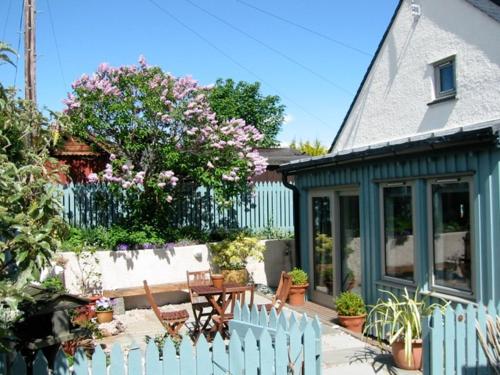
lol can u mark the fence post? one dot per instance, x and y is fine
(437, 363)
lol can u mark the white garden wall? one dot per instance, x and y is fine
(128, 268)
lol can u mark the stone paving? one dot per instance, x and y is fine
(343, 354)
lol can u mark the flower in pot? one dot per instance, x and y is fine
(400, 318)
(104, 310)
(230, 256)
(296, 296)
(351, 311)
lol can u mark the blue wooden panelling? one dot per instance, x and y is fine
(484, 165)
(294, 346)
(86, 205)
(453, 343)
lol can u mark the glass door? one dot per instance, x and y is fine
(350, 242)
(322, 248)
(335, 244)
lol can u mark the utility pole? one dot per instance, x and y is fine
(29, 51)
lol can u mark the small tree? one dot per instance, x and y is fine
(165, 135)
(314, 148)
(244, 100)
(30, 222)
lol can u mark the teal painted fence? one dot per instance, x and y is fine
(294, 347)
(451, 344)
(271, 206)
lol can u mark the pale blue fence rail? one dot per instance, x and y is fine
(294, 347)
(451, 344)
(271, 206)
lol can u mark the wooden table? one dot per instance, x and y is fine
(214, 295)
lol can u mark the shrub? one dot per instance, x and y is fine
(54, 284)
(232, 255)
(350, 304)
(299, 277)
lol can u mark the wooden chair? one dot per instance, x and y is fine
(171, 320)
(281, 295)
(202, 310)
(229, 297)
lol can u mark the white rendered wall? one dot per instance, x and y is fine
(128, 268)
(393, 103)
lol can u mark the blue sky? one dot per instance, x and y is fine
(315, 77)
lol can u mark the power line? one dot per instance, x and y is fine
(317, 33)
(6, 20)
(56, 44)
(19, 41)
(234, 61)
(282, 54)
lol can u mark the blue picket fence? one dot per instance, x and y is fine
(451, 344)
(271, 206)
(282, 346)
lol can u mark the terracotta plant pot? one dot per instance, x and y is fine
(217, 280)
(296, 296)
(353, 323)
(104, 316)
(236, 276)
(398, 352)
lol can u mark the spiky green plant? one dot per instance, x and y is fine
(400, 318)
(490, 341)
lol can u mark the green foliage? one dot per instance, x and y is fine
(312, 149)
(233, 254)
(400, 318)
(5, 54)
(350, 304)
(299, 277)
(30, 222)
(54, 284)
(244, 100)
(160, 340)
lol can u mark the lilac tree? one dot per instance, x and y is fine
(164, 135)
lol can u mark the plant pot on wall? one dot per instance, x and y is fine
(296, 296)
(236, 276)
(398, 353)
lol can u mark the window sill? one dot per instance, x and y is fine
(450, 297)
(443, 99)
(397, 284)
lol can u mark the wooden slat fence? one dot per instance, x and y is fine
(451, 344)
(271, 206)
(293, 347)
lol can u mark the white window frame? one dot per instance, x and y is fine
(437, 78)
(430, 230)
(384, 276)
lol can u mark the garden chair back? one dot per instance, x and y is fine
(279, 299)
(231, 295)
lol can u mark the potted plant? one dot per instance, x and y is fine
(230, 256)
(296, 296)
(104, 310)
(351, 311)
(400, 318)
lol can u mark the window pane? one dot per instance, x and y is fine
(451, 224)
(447, 81)
(322, 245)
(398, 225)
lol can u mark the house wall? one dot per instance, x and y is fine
(483, 164)
(394, 100)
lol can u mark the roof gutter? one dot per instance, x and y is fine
(296, 216)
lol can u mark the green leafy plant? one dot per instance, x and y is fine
(160, 340)
(54, 284)
(233, 254)
(350, 304)
(400, 318)
(299, 277)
